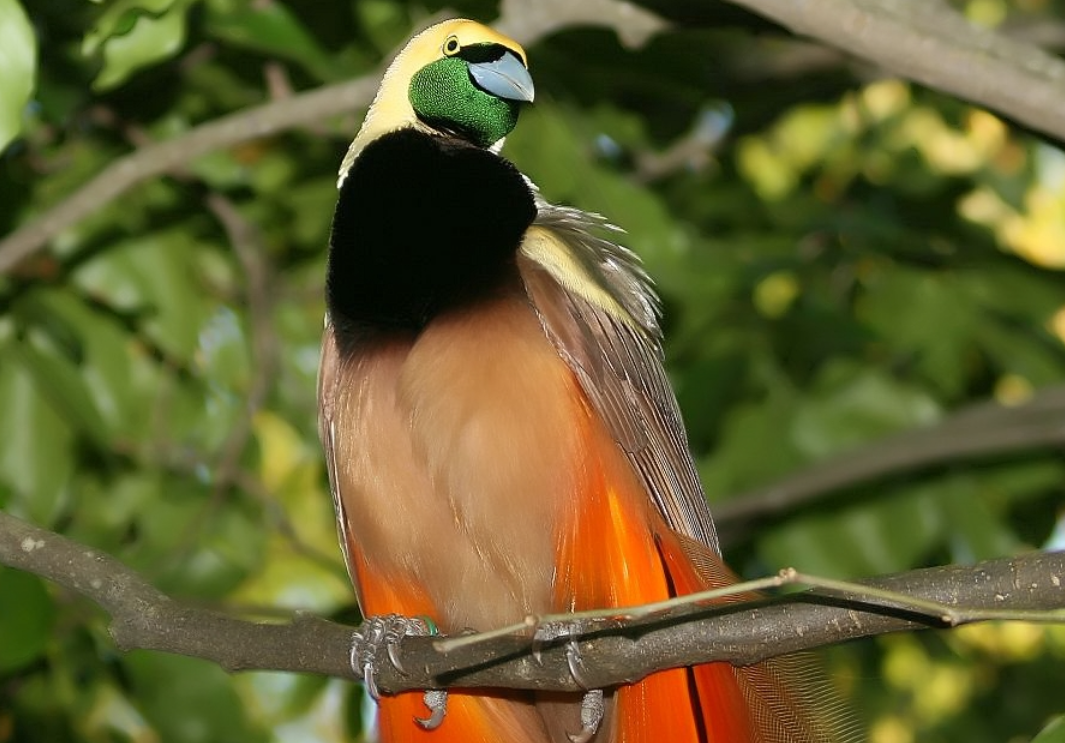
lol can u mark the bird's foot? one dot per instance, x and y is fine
(436, 701)
(592, 704)
(550, 632)
(389, 630)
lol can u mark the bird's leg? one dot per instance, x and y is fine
(390, 629)
(592, 705)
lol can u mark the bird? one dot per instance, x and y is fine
(500, 434)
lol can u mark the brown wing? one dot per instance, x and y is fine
(596, 304)
(328, 376)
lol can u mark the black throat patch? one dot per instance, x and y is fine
(423, 224)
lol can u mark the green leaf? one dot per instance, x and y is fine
(852, 405)
(27, 614)
(118, 18)
(386, 23)
(888, 535)
(925, 314)
(158, 276)
(85, 363)
(188, 700)
(755, 448)
(18, 68)
(1053, 732)
(133, 34)
(109, 508)
(36, 460)
(1017, 352)
(187, 543)
(270, 28)
(553, 147)
(977, 531)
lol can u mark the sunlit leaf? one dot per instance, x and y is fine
(133, 34)
(18, 68)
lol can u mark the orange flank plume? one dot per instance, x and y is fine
(618, 552)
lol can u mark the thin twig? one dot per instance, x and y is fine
(244, 237)
(860, 595)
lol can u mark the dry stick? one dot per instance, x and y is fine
(580, 623)
(613, 652)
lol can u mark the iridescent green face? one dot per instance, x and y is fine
(475, 91)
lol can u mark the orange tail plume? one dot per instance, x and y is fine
(619, 552)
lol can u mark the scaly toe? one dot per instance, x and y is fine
(592, 710)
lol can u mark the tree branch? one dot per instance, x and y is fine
(929, 42)
(919, 39)
(614, 652)
(526, 22)
(986, 428)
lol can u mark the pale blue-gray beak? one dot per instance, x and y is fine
(506, 77)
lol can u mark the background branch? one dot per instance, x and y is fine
(982, 429)
(929, 42)
(615, 652)
(924, 41)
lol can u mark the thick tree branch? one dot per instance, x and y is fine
(980, 430)
(929, 42)
(615, 652)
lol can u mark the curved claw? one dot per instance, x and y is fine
(574, 662)
(363, 645)
(393, 657)
(592, 710)
(436, 701)
(369, 678)
(394, 633)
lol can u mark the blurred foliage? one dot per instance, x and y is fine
(839, 258)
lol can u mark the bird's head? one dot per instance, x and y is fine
(458, 78)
